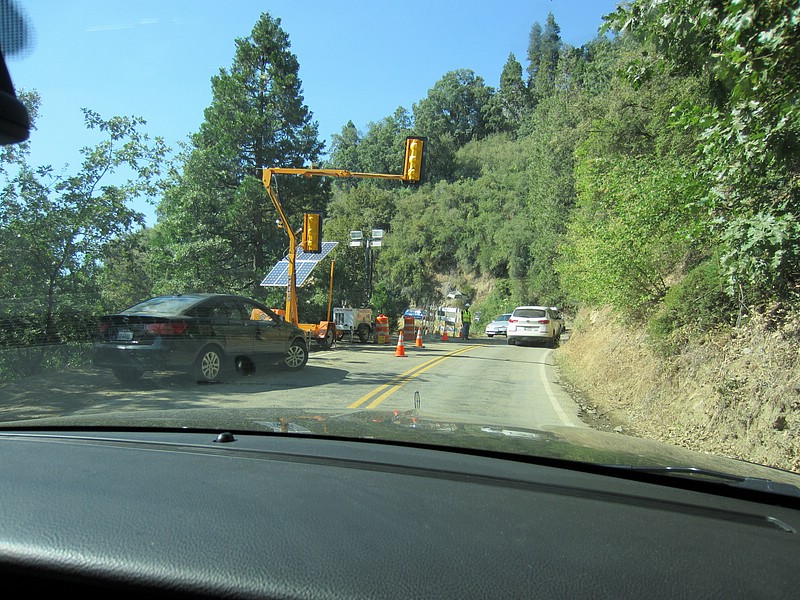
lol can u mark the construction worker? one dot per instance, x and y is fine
(466, 320)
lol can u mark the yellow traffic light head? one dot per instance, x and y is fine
(415, 153)
(312, 232)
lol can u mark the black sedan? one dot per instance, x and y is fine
(202, 334)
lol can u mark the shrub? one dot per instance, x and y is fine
(699, 300)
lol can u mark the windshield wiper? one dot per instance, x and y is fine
(749, 483)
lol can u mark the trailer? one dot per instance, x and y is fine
(355, 321)
(323, 332)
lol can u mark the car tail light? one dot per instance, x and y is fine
(543, 321)
(512, 320)
(177, 328)
(103, 327)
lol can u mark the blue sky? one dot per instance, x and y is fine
(359, 60)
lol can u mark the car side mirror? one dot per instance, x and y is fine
(15, 122)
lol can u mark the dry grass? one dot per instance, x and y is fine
(733, 392)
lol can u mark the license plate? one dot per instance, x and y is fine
(124, 336)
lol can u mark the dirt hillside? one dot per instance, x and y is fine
(733, 392)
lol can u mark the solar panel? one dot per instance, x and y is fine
(278, 276)
(315, 256)
(304, 263)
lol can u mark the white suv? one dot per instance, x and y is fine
(532, 324)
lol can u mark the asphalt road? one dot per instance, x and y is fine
(482, 379)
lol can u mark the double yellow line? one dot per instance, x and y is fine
(382, 392)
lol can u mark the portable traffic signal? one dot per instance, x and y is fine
(312, 232)
(415, 152)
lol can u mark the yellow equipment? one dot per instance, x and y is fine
(325, 331)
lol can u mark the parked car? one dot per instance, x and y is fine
(499, 326)
(533, 324)
(202, 334)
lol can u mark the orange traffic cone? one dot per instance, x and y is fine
(418, 342)
(444, 335)
(401, 348)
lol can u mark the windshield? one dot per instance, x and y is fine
(350, 195)
(163, 305)
(530, 313)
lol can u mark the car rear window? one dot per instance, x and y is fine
(171, 305)
(502, 318)
(530, 313)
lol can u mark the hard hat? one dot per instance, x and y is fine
(467, 304)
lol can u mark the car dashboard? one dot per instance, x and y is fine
(216, 514)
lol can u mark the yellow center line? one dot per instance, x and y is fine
(399, 380)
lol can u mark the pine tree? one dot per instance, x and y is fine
(216, 224)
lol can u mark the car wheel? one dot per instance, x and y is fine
(296, 357)
(363, 333)
(208, 366)
(128, 374)
(511, 341)
(490, 334)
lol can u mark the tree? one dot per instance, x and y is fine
(512, 99)
(216, 225)
(382, 148)
(453, 113)
(534, 52)
(747, 127)
(124, 279)
(544, 48)
(345, 151)
(362, 208)
(54, 226)
(633, 226)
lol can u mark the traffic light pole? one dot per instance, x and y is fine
(412, 173)
(291, 288)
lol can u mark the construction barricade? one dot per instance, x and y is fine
(382, 329)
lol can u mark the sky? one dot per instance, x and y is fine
(359, 59)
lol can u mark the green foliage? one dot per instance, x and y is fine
(698, 301)
(423, 240)
(123, 281)
(633, 225)
(512, 102)
(53, 227)
(380, 150)
(456, 110)
(543, 53)
(747, 51)
(388, 299)
(499, 301)
(762, 253)
(361, 208)
(345, 152)
(216, 228)
(504, 216)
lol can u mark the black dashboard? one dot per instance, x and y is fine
(191, 514)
